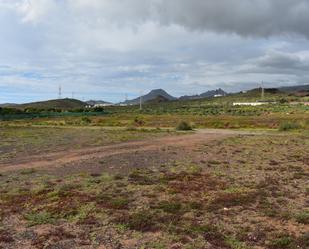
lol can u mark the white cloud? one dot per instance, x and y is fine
(35, 10)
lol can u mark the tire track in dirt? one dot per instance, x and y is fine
(57, 159)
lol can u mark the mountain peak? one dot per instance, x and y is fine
(159, 90)
(152, 95)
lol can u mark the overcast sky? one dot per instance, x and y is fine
(105, 49)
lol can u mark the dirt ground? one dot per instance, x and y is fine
(204, 189)
(127, 150)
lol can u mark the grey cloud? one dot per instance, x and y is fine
(276, 62)
(280, 60)
(257, 18)
(244, 17)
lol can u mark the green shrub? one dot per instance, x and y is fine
(170, 207)
(141, 177)
(138, 121)
(282, 242)
(303, 217)
(143, 221)
(184, 126)
(28, 171)
(119, 203)
(286, 126)
(131, 128)
(85, 120)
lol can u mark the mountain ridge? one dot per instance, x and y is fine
(207, 94)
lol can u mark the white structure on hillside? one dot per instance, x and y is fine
(250, 103)
(103, 105)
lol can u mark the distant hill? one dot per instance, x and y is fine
(97, 102)
(7, 105)
(294, 89)
(63, 104)
(154, 94)
(208, 94)
(258, 91)
(302, 90)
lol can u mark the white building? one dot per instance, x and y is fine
(103, 105)
(250, 103)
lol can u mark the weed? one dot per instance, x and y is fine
(5, 237)
(38, 218)
(84, 211)
(230, 199)
(303, 240)
(108, 201)
(234, 243)
(194, 169)
(214, 162)
(67, 189)
(131, 128)
(156, 245)
(196, 205)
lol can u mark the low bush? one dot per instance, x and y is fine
(143, 221)
(286, 126)
(184, 126)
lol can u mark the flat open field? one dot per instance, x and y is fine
(88, 187)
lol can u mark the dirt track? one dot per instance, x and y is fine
(54, 160)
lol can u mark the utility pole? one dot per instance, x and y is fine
(72, 95)
(263, 91)
(59, 92)
(141, 102)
